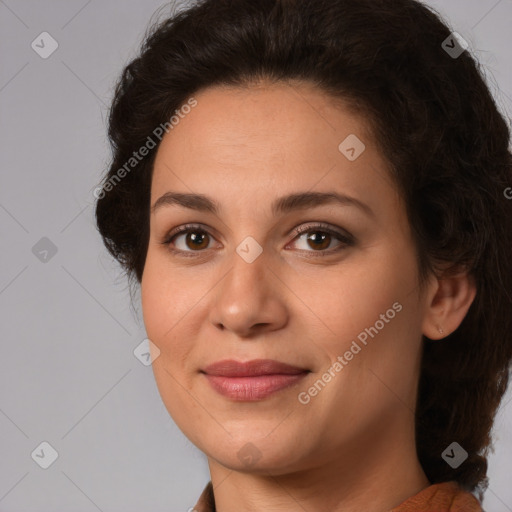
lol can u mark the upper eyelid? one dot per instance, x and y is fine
(304, 228)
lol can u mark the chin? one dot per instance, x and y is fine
(253, 454)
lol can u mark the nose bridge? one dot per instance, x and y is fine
(247, 297)
(247, 279)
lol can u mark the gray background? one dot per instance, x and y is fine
(68, 374)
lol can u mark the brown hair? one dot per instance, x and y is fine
(435, 121)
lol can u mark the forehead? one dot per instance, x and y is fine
(266, 138)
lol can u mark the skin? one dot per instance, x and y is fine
(244, 148)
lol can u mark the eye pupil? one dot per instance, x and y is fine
(197, 239)
(319, 237)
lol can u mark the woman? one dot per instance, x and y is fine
(311, 196)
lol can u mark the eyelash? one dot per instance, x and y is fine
(346, 239)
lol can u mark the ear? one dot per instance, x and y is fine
(448, 300)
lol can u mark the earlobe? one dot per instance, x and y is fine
(448, 301)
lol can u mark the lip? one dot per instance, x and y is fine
(252, 380)
(256, 367)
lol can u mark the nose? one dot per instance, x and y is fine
(250, 300)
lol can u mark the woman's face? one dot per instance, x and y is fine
(338, 301)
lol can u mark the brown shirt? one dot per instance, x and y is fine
(444, 497)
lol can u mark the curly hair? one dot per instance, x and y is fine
(434, 119)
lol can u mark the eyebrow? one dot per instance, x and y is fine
(285, 204)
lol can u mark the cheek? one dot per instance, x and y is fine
(370, 317)
(164, 308)
(165, 300)
(173, 306)
(165, 293)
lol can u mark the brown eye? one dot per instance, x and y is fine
(319, 240)
(189, 240)
(196, 240)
